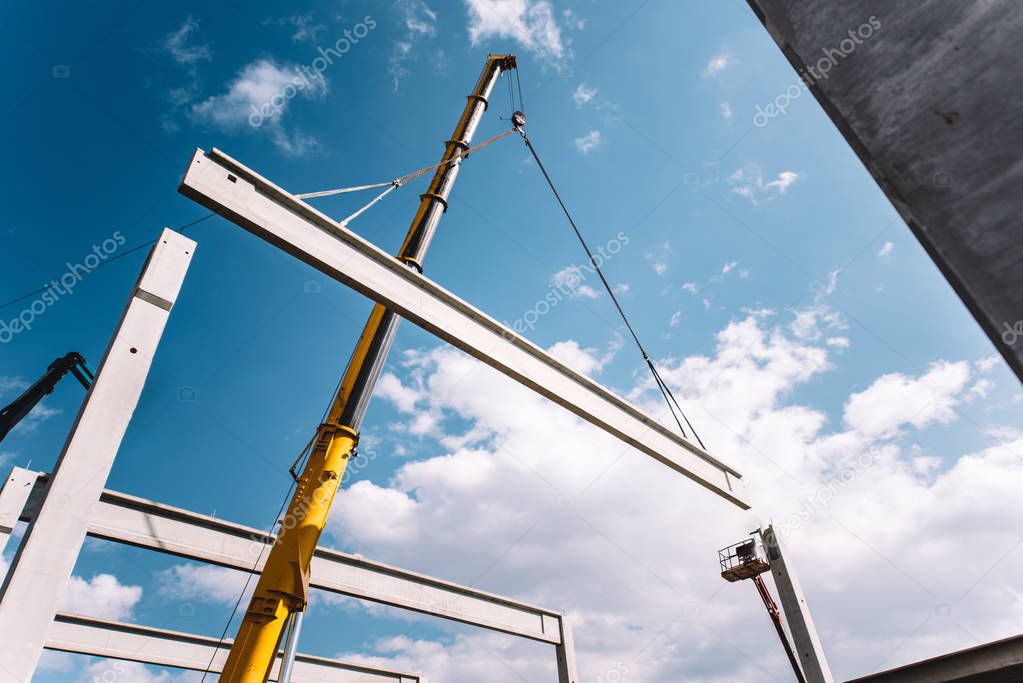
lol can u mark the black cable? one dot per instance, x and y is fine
(181, 229)
(669, 397)
(518, 80)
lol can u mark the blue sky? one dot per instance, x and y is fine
(764, 268)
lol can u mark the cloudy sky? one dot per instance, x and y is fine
(808, 336)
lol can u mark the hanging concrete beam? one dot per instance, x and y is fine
(129, 642)
(13, 497)
(797, 612)
(42, 567)
(145, 524)
(239, 194)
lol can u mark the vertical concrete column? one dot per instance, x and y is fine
(797, 612)
(42, 567)
(567, 672)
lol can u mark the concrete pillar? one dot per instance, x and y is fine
(40, 571)
(567, 672)
(797, 613)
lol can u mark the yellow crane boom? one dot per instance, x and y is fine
(282, 591)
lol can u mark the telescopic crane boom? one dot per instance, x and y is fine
(23, 405)
(282, 591)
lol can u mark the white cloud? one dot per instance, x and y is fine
(749, 182)
(895, 400)
(570, 280)
(690, 287)
(490, 516)
(660, 268)
(82, 669)
(589, 142)
(102, 596)
(716, 64)
(728, 267)
(586, 361)
(622, 288)
(420, 23)
(203, 582)
(262, 92)
(178, 45)
(403, 397)
(304, 29)
(531, 23)
(886, 250)
(583, 95)
(986, 364)
(676, 319)
(726, 111)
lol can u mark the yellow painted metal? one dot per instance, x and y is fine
(283, 585)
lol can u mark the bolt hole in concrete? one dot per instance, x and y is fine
(133, 350)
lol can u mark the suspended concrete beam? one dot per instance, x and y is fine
(239, 194)
(142, 523)
(797, 612)
(101, 638)
(40, 571)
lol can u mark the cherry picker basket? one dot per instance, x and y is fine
(743, 560)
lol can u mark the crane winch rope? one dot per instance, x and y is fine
(669, 397)
(401, 180)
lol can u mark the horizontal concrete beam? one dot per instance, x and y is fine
(239, 194)
(143, 523)
(101, 638)
(1000, 661)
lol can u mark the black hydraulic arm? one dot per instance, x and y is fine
(23, 405)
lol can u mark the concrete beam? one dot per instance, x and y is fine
(40, 571)
(239, 194)
(130, 642)
(1000, 661)
(13, 496)
(797, 612)
(940, 134)
(145, 524)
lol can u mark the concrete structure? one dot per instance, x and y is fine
(128, 642)
(928, 94)
(241, 195)
(797, 613)
(997, 662)
(142, 523)
(42, 566)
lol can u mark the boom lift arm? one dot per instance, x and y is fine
(281, 593)
(23, 405)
